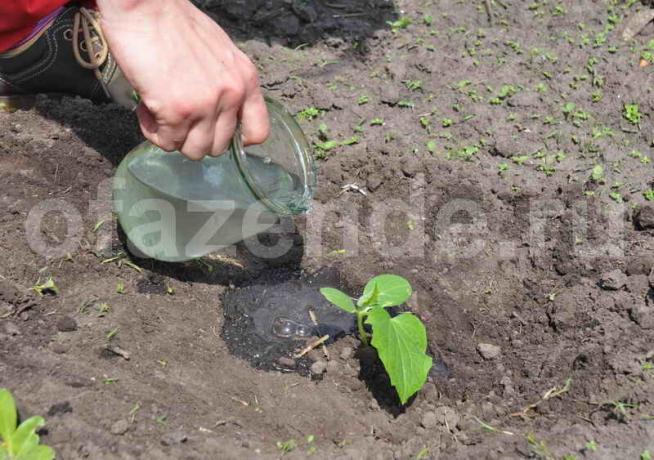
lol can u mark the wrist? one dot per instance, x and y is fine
(120, 7)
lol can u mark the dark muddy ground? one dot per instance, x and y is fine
(475, 140)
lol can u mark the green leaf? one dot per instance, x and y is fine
(7, 416)
(25, 437)
(401, 343)
(4, 455)
(597, 175)
(339, 298)
(369, 296)
(37, 453)
(386, 291)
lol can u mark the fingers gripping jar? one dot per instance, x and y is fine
(174, 209)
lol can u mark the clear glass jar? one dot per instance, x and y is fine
(174, 209)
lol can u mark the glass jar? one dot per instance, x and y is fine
(174, 209)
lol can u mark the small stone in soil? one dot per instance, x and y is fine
(59, 348)
(318, 367)
(644, 217)
(489, 351)
(288, 363)
(176, 437)
(332, 366)
(346, 353)
(66, 324)
(447, 416)
(120, 427)
(640, 265)
(613, 280)
(12, 329)
(60, 408)
(374, 182)
(429, 420)
(643, 316)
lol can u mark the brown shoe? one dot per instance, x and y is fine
(68, 57)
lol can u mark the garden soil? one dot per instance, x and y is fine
(482, 150)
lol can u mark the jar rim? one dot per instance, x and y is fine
(302, 153)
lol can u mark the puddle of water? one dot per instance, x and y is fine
(266, 322)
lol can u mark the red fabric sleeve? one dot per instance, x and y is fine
(18, 18)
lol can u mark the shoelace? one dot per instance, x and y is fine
(97, 49)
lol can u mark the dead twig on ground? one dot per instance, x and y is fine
(314, 320)
(549, 394)
(311, 346)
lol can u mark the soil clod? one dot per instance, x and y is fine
(489, 351)
(66, 324)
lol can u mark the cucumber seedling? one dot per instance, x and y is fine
(20, 442)
(401, 341)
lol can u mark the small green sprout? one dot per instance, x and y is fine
(546, 169)
(98, 225)
(112, 333)
(597, 174)
(20, 442)
(413, 85)
(363, 100)
(559, 10)
(465, 153)
(569, 108)
(286, 447)
(377, 122)
(631, 113)
(103, 309)
(648, 53)
(399, 24)
(646, 455)
(506, 91)
(120, 287)
(401, 341)
(423, 454)
(591, 445)
(447, 122)
(649, 194)
(520, 159)
(541, 88)
(48, 287)
(309, 113)
(327, 145)
(351, 140)
(616, 196)
(323, 131)
(406, 104)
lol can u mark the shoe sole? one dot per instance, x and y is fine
(13, 103)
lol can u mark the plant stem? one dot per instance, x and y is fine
(362, 331)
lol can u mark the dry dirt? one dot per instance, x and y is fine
(462, 132)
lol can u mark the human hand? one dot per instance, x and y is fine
(195, 85)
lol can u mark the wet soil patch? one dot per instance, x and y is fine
(268, 324)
